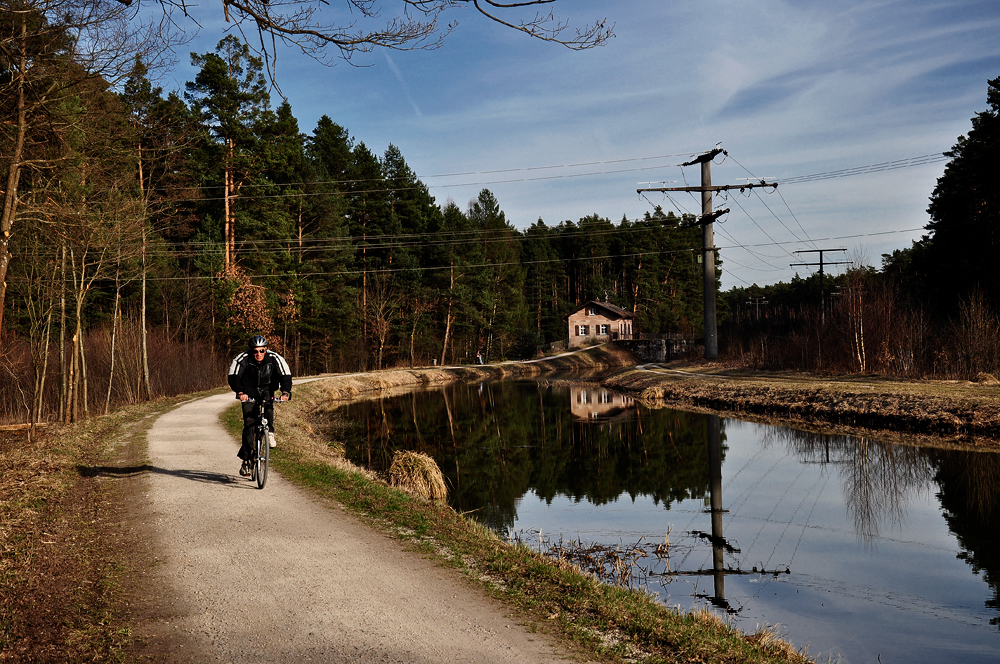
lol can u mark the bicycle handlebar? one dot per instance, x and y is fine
(264, 400)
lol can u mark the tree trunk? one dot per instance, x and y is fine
(227, 194)
(72, 405)
(142, 323)
(84, 392)
(14, 170)
(447, 332)
(63, 368)
(78, 382)
(859, 330)
(489, 339)
(114, 330)
(413, 334)
(36, 416)
(447, 318)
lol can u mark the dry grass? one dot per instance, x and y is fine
(64, 553)
(417, 474)
(924, 412)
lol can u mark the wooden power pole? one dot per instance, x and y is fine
(707, 220)
(822, 297)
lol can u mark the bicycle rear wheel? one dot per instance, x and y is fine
(263, 458)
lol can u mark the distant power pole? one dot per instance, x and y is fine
(757, 301)
(822, 297)
(706, 220)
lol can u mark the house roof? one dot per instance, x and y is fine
(607, 306)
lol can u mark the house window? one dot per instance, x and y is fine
(591, 311)
(602, 329)
(584, 330)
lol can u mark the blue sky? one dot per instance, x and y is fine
(787, 88)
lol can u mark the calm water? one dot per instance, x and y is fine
(867, 549)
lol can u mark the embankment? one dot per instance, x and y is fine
(918, 412)
(354, 386)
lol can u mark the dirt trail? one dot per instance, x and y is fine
(272, 576)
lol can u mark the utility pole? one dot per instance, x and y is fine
(757, 301)
(706, 220)
(822, 297)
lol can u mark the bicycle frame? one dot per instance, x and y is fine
(260, 451)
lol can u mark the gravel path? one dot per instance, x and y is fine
(244, 575)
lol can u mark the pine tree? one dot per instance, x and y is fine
(230, 94)
(965, 211)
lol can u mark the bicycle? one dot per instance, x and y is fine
(260, 451)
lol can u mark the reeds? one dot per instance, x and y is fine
(418, 474)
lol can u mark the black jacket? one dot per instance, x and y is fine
(260, 380)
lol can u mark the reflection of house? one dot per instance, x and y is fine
(596, 403)
(598, 321)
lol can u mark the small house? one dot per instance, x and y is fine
(597, 322)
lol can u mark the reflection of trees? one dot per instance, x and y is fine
(970, 496)
(877, 478)
(494, 442)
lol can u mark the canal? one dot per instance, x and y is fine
(862, 550)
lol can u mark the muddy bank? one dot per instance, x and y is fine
(918, 412)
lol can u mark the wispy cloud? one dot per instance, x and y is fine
(399, 77)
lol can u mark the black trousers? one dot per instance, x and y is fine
(250, 415)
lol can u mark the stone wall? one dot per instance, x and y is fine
(645, 350)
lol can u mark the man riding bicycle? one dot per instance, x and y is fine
(256, 374)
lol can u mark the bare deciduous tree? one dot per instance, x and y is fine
(49, 51)
(322, 32)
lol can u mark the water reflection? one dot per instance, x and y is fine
(857, 546)
(970, 494)
(497, 441)
(878, 479)
(593, 403)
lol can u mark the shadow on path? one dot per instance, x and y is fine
(131, 471)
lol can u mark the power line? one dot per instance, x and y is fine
(416, 176)
(932, 158)
(761, 228)
(537, 262)
(751, 174)
(909, 162)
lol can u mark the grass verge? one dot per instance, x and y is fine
(600, 621)
(65, 553)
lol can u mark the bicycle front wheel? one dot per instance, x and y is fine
(254, 456)
(263, 458)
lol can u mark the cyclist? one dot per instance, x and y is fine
(257, 373)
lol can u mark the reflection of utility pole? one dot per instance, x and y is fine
(715, 493)
(708, 237)
(720, 545)
(822, 299)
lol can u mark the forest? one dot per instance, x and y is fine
(929, 311)
(147, 233)
(151, 233)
